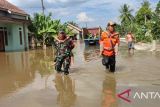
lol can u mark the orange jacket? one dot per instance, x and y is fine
(109, 41)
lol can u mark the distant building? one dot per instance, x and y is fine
(82, 33)
(95, 31)
(13, 27)
(76, 30)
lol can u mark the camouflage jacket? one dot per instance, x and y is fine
(64, 48)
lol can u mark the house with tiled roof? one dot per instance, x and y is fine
(13, 27)
(95, 31)
(76, 30)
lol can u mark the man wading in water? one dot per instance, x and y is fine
(130, 39)
(63, 46)
(109, 43)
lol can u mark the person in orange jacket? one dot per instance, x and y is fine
(109, 42)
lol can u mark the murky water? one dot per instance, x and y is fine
(27, 79)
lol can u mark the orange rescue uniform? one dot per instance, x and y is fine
(109, 41)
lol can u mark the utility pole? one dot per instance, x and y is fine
(43, 8)
(86, 24)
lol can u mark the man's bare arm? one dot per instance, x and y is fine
(116, 48)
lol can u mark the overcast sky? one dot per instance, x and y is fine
(94, 12)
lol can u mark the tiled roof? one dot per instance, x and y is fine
(75, 27)
(5, 5)
(94, 31)
(96, 28)
(13, 20)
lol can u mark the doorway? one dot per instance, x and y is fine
(2, 46)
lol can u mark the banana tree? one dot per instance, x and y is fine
(44, 26)
(47, 29)
(68, 31)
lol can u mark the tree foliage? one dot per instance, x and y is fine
(126, 18)
(144, 14)
(145, 22)
(45, 28)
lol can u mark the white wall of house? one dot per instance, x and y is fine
(77, 32)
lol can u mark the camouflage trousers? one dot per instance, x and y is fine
(62, 64)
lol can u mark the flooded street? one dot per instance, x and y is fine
(28, 79)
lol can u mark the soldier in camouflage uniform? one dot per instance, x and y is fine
(64, 46)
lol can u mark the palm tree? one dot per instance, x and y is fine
(126, 17)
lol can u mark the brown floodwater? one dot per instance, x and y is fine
(28, 79)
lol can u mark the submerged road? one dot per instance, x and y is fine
(27, 79)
